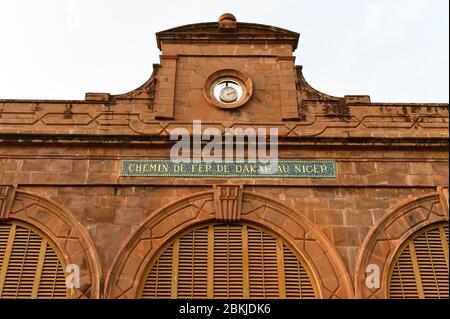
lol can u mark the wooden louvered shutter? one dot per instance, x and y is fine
(29, 266)
(421, 269)
(192, 265)
(159, 280)
(263, 265)
(298, 285)
(228, 265)
(227, 261)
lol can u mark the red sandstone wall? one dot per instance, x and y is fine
(69, 152)
(85, 181)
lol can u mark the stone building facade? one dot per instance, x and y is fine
(377, 229)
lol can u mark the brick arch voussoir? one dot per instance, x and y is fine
(66, 232)
(327, 267)
(387, 235)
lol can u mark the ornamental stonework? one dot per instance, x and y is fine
(355, 179)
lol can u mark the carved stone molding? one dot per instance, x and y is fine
(228, 202)
(443, 195)
(7, 193)
(386, 237)
(66, 232)
(129, 266)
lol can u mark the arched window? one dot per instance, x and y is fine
(420, 269)
(30, 266)
(227, 261)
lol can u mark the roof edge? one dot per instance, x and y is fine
(186, 33)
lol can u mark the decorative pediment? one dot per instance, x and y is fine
(225, 30)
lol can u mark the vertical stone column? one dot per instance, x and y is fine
(165, 92)
(288, 90)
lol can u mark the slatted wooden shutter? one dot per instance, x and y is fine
(227, 261)
(228, 265)
(263, 265)
(421, 268)
(159, 280)
(29, 266)
(298, 285)
(192, 264)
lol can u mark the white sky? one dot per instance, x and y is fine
(392, 50)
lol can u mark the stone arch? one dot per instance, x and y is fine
(65, 231)
(326, 266)
(388, 234)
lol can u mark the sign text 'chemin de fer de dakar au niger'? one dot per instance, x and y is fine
(278, 169)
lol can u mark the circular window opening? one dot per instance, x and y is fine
(228, 89)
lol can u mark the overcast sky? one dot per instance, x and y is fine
(392, 50)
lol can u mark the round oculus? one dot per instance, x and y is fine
(228, 89)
